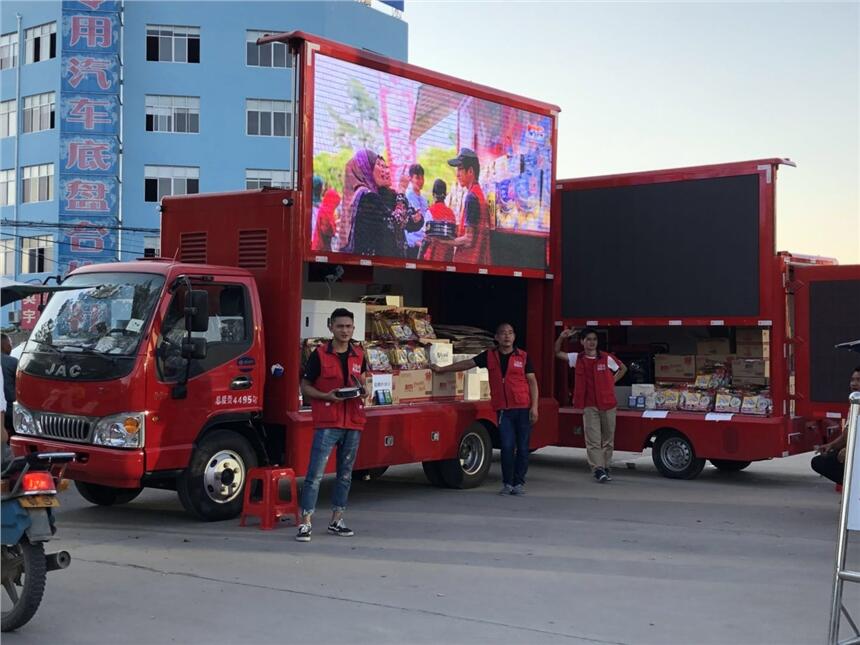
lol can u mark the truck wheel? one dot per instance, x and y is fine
(369, 474)
(24, 572)
(433, 473)
(106, 495)
(674, 456)
(729, 465)
(472, 463)
(211, 487)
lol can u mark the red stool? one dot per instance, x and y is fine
(264, 498)
(838, 488)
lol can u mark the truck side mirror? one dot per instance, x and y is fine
(194, 348)
(197, 310)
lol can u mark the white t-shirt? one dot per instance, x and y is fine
(610, 361)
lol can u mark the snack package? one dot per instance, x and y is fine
(713, 377)
(377, 359)
(758, 404)
(694, 400)
(399, 358)
(419, 321)
(727, 401)
(666, 398)
(420, 358)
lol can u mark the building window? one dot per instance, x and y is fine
(9, 50)
(151, 246)
(38, 183)
(41, 42)
(7, 187)
(39, 112)
(37, 253)
(172, 113)
(256, 178)
(170, 180)
(267, 118)
(268, 55)
(8, 118)
(171, 44)
(7, 256)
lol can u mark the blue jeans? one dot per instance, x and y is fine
(514, 431)
(347, 448)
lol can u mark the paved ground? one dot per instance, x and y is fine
(741, 558)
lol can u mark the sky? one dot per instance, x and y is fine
(646, 86)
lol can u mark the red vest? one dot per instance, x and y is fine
(479, 251)
(604, 382)
(511, 391)
(348, 414)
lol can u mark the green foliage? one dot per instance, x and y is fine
(435, 163)
(362, 130)
(331, 167)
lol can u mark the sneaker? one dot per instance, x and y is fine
(304, 534)
(339, 528)
(507, 489)
(600, 475)
(519, 489)
(608, 475)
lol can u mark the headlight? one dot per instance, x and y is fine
(23, 420)
(120, 430)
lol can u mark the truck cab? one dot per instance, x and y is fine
(112, 366)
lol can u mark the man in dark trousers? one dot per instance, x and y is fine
(337, 421)
(830, 462)
(514, 396)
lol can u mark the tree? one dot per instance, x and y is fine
(362, 130)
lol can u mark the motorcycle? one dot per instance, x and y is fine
(28, 490)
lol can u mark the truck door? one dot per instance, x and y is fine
(226, 384)
(827, 312)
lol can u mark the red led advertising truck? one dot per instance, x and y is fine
(730, 345)
(149, 394)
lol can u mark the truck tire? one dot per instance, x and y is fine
(674, 456)
(212, 486)
(106, 495)
(433, 473)
(24, 572)
(368, 474)
(474, 455)
(729, 465)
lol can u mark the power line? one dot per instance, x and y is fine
(32, 224)
(134, 251)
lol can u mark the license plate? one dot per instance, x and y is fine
(39, 501)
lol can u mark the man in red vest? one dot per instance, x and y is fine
(472, 244)
(514, 396)
(596, 374)
(337, 421)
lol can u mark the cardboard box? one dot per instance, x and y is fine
(412, 386)
(752, 336)
(671, 367)
(645, 390)
(449, 386)
(709, 361)
(713, 346)
(477, 384)
(750, 382)
(750, 368)
(386, 300)
(753, 350)
(440, 352)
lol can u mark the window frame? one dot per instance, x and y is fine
(43, 254)
(257, 107)
(10, 41)
(166, 35)
(155, 103)
(37, 112)
(251, 36)
(161, 173)
(259, 178)
(39, 176)
(8, 118)
(8, 186)
(33, 36)
(8, 249)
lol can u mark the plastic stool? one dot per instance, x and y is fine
(264, 499)
(838, 488)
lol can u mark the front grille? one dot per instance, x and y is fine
(64, 426)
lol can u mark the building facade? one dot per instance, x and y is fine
(108, 106)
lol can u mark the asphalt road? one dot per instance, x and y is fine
(728, 558)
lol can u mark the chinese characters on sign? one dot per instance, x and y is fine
(89, 128)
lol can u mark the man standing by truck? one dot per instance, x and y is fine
(514, 396)
(338, 417)
(596, 374)
(472, 243)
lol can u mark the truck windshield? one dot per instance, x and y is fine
(108, 315)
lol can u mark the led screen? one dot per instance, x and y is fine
(483, 198)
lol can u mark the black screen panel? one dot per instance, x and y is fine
(834, 318)
(673, 249)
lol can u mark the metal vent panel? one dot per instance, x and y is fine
(64, 426)
(253, 248)
(192, 247)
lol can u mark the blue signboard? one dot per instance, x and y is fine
(86, 240)
(90, 32)
(91, 5)
(88, 194)
(89, 154)
(89, 113)
(91, 73)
